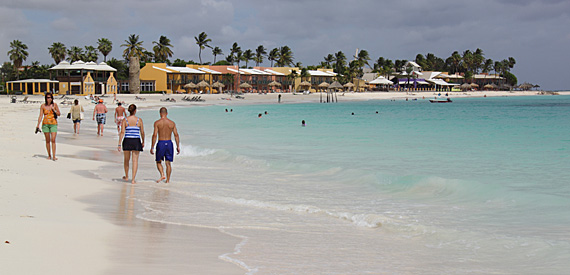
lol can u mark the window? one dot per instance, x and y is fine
(147, 86)
(125, 86)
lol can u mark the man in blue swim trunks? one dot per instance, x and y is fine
(164, 128)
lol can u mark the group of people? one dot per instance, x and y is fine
(131, 134)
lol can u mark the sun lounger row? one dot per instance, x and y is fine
(194, 98)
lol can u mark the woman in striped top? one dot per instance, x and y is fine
(132, 137)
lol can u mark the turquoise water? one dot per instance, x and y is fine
(479, 185)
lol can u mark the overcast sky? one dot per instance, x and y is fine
(535, 32)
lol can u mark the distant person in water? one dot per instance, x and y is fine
(352, 113)
(132, 137)
(265, 112)
(164, 128)
(279, 98)
(259, 115)
(120, 114)
(303, 123)
(100, 112)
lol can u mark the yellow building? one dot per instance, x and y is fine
(33, 86)
(77, 77)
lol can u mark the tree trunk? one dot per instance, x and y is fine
(134, 75)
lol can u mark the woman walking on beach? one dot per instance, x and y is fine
(76, 111)
(132, 137)
(48, 117)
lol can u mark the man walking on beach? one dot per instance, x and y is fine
(101, 112)
(164, 128)
(120, 114)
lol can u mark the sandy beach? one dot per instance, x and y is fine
(59, 217)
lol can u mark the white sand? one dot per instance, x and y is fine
(57, 218)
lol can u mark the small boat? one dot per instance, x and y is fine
(438, 100)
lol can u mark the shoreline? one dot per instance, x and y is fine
(61, 218)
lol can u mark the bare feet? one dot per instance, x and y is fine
(54, 158)
(49, 157)
(133, 182)
(161, 179)
(125, 178)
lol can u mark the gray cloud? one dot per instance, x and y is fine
(533, 31)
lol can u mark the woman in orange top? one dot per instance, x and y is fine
(48, 117)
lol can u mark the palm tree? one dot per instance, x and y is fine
(273, 55)
(247, 56)
(291, 78)
(57, 52)
(74, 54)
(202, 41)
(105, 46)
(285, 57)
(340, 61)
(363, 58)
(133, 52)
(90, 54)
(234, 50)
(162, 49)
(216, 51)
(329, 59)
(18, 54)
(259, 53)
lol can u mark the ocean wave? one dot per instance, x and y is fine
(195, 151)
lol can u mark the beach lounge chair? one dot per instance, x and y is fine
(25, 100)
(140, 98)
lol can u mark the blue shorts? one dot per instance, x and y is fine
(101, 118)
(164, 150)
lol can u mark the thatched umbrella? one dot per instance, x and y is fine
(526, 86)
(465, 86)
(335, 85)
(474, 85)
(348, 85)
(190, 86)
(274, 84)
(203, 84)
(324, 85)
(218, 84)
(490, 86)
(245, 85)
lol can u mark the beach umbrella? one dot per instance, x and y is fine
(245, 85)
(274, 84)
(335, 85)
(526, 86)
(474, 85)
(305, 84)
(190, 86)
(218, 84)
(465, 86)
(324, 85)
(490, 86)
(348, 85)
(202, 84)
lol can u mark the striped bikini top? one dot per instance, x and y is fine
(132, 131)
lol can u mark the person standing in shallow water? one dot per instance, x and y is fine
(132, 137)
(164, 128)
(48, 117)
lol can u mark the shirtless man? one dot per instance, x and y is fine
(101, 112)
(120, 114)
(164, 128)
